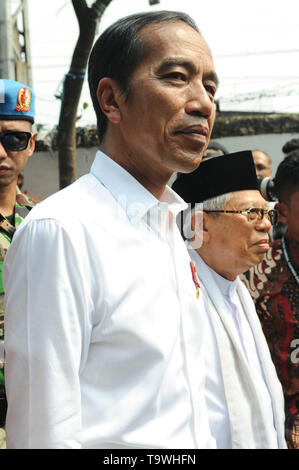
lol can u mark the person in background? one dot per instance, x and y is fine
(20, 185)
(274, 287)
(262, 163)
(17, 144)
(20, 180)
(231, 225)
(290, 146)
(99, 276)
(214, 149)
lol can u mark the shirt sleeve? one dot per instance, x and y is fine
(44, 331)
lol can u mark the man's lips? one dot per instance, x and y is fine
(4, 170)
(197, 134)
(263, 243)
(194, 130)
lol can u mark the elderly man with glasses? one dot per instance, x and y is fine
(17, 144)
(230, 234)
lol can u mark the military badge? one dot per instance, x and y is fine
(17, 101)
(24, 99)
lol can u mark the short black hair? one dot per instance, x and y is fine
(119, 50)
(286, 180)
(290, 146)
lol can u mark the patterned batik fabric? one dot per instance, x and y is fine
(23, 205)
(275, 292)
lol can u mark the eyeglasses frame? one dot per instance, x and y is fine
(262, 212)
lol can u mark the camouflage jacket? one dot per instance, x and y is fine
(24, 204)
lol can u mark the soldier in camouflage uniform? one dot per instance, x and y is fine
(17, 144)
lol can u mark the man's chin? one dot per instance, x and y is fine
(187, 165)
(258, 258)
(5, 182)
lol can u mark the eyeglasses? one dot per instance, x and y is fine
(254, 214)
(15, 141)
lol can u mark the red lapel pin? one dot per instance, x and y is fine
(195, 278)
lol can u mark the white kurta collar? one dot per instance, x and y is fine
(228, 288)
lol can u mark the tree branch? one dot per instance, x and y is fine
(87, 17)
(80, 7)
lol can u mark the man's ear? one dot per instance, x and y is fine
(31, 145)
(205, 227)
(200, 227)
(283, 212)
(107, 94)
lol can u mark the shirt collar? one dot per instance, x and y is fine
(228, 288)
(134, 198)
(175, 202)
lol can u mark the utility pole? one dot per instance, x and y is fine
(7, 66)
(15, 54)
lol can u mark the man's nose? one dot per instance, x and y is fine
(264, 225)
(200, 102)
(3, 152)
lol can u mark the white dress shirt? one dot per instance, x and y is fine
(104, 333)
(217, 394)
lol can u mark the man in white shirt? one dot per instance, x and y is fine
(104, 332)
(231, 225)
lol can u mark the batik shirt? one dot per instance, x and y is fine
(23, 205)
(275, 292)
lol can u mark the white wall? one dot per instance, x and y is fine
(270, 143)
(41, 172)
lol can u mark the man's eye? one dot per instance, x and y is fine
(254, 210)
(210, 90)
(177, 76)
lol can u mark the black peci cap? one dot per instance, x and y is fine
(216, 176)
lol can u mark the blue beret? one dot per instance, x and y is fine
(17, 101)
